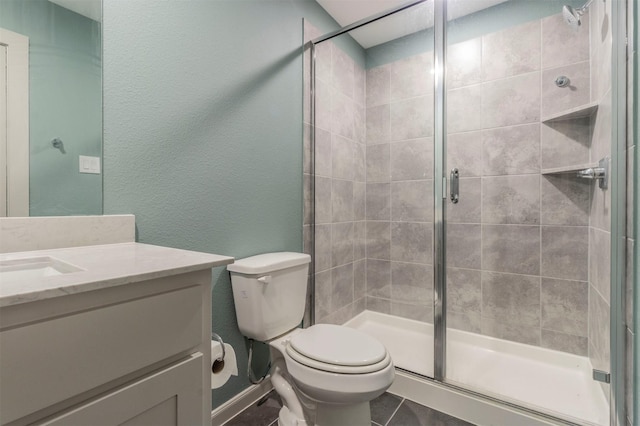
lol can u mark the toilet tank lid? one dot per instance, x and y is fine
(268, 262)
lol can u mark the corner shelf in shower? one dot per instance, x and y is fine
(574, 168)
(582, 111)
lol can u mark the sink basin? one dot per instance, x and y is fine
(33, 268)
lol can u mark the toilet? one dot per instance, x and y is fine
(325, 374)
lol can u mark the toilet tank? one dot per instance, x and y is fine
(269, 292)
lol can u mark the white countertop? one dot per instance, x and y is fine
(104, 266)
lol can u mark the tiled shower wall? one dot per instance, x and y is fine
(339, 182)
(518, 241)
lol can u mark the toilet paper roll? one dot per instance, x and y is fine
(221, 371)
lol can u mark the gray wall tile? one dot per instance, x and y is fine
(359, 162)
(511, 199)
(561, 45)
(600, 261)
(410, 77)
(511, 150)
(565, 306)
(342, 157)
(359, 200)
(464, 63)
(378, 240)
(322, 247)
(412, 242)
(521, 333)
(464, 291)
(341, 243)
(341, 200)
(513, 51)
(511, 248)
(577, 345)
(379, 278)
(556, 99)
(341, 286)
(378, 85)
(412, 311)
(378, 201)
(323, 200)
(412, 201)
(465, 321)
(511, 101)
(323, 293)
(565, 252)
(323, 153)
(412, 160)
(378, 305)
(564, 200)
(412, 118)
(600, 210)
(378, 163)
(511, 298)
(323, 105)
(359, 240)
(359, 279)
(469, 207)
(342, 115)
(378, 130)
(464, 151)
(412, 282)
(342, 71)
(463, 245)
(462, 109)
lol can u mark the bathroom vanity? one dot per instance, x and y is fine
(106, 334)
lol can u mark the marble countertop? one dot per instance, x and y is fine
(103, 266)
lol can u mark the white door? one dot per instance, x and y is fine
(14, 124)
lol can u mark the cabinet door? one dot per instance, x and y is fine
(170, 397)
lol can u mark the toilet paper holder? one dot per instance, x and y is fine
(217, 338)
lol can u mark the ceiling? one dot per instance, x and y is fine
(416, 18)
(89, 8)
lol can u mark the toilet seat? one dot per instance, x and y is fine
(337, 349)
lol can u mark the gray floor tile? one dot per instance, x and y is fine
(383, 407)
(259, 415)
(412, 414)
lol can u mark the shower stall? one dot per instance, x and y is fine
(462, 201)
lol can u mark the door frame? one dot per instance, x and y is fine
(17, 167)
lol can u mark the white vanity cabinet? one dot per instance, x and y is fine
(128, 354)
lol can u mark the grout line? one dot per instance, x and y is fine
(395, 411)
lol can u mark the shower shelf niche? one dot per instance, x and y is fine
(582, 111)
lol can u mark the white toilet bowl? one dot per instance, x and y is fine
(335, 372)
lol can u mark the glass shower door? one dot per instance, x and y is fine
(373, 179)
(527, 241)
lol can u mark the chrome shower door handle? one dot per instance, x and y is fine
(454, 185)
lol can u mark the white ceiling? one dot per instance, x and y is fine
(89, 8)
(416, 18)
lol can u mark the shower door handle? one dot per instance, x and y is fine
(454, 186)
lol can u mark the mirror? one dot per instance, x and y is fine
(61, 171)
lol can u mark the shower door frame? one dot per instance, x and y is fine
(618, 202)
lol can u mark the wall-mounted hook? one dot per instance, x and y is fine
(57, 143)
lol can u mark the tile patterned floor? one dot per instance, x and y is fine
(386, 410)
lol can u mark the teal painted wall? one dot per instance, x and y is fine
(496, 18)
(203, 131)
(65, 101)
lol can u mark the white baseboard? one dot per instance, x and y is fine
(240, 402)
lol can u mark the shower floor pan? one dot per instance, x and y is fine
(541, 379)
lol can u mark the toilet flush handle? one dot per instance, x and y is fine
(265, 280)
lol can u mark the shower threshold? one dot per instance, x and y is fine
(540, 379)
